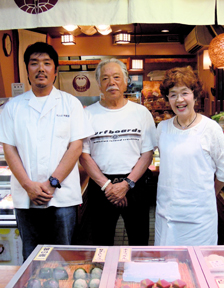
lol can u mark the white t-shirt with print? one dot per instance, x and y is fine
(121, 136)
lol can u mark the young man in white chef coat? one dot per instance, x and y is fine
(42, 131)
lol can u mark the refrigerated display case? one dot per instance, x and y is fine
(156, 267)
(10, 241)
(65, 266)
(211, 259)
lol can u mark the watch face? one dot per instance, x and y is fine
(132, 184)
(54, 182)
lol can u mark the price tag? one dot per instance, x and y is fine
(125, 255)
(220, 282)
(43, 254)
(100, 255)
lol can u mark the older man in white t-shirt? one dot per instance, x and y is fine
(117, 157)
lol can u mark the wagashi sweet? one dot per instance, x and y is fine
(34, 283)
(52, 283)
(96, 273)
(80, 273)
(45, 273)
(94, 283)
(80, 283)
(179, 284)
(163, 284)
(60, 273)
(146, 283)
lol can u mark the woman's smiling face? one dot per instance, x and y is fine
(182, 100)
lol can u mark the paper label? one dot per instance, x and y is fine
(220, 282)
(125, 255)
(100, 255)
(43, 254)
(17, 89)
(217, 263)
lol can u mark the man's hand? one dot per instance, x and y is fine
(39, 193)
(116, 192)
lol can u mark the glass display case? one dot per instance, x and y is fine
(10, 241)
(134, 97)
(211, 259)
(164, 267)
(65, 266)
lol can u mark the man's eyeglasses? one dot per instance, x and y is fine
(174, 96)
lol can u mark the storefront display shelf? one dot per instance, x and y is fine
(65, 266)
(162, 266)
(211, 259)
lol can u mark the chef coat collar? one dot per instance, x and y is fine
(50, 103)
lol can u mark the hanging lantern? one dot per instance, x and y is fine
(216, 51)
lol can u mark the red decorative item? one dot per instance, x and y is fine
(34, 6)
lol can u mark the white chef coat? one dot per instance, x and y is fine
(186, 211)
(42, 137)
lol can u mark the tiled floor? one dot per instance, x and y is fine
(121, 235)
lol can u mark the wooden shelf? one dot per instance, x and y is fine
(170, 60)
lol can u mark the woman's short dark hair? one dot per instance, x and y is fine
(180, 76)
(40, 47)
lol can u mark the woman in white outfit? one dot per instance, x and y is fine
(191, 166)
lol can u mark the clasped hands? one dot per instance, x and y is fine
(116, 193)
(39, 193)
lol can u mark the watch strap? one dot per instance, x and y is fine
(131, 183)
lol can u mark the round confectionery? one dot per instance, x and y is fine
(94, 283)
(80, 283)
(34, 283)
(52, 283)
(96, 273)
(80, 273)
(60, 273)
(45, 273)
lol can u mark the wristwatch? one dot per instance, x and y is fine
(54, 182)
(130, 183)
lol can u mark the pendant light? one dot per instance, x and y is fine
(216, 51)
(136, 64)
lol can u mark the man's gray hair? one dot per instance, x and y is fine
(112, 60)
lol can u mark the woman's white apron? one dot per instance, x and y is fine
(186, 212)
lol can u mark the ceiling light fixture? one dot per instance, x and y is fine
(70, 27)
(104, 29)
(122, 38)
(68, 39)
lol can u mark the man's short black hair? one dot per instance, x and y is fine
(40, 47)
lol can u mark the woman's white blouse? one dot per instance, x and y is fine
(212, 142)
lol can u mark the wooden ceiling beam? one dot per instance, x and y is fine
(84, 62)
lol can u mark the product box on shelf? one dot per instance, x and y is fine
(211, 259)
(153, 266)
(65, 266)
